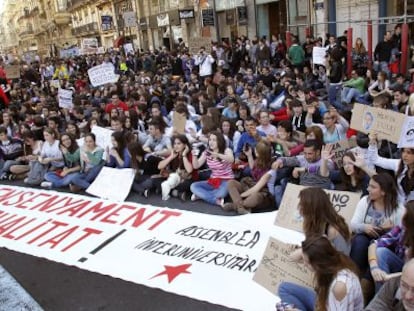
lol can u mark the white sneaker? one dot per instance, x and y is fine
(174, 193)
(194, 197)
(165, 198)
(46, 184)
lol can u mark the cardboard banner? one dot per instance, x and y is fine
(339, 149)
(55, 83)
(319, 56)
(194, 45)
(386, 123)
(128, 48)
(12, 71)
(192, 254)
(112, 183)
(276, 267)
(407, 133)
(102, 74)
(65, 98)
(289, 217)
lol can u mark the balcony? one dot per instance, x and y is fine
(90, 28)
(62, 18)
(26, 34)
(74, 4)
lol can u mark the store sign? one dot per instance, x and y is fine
(186, 14)
(208, 17)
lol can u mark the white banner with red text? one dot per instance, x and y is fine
(205, 257)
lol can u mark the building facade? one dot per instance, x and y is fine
(45, 27)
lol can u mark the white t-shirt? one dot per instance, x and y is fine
(354, 300)
(52, 151)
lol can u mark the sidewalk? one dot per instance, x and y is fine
(13, 297)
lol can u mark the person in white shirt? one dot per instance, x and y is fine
(205, 62)
(265, 126)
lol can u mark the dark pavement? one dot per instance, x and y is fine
(58, 287)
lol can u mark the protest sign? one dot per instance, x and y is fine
(179, 122)
(339, 148)
(407, 133)
(12, 71)
(102, 74)
(65, 98)
(55, 83)
(194, 44)
(192, 254)
(69, 52)
(112, 183)
(319, 56)
(276, 267)
(386, 123)
(103, 138)
(128, 48)
(289, 217)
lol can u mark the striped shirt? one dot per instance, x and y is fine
(219, 168)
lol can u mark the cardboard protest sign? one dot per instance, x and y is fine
(339, 148)
(65, 98)
(103, 138)
(55, 83)
(179, 122)
(407, 133)
(276, 267)
(386, 123)
(194, 44)
(102, 74)
(288, 215)
(12, 71)
(112, 183)
(319, 56)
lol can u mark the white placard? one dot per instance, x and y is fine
(102, 74)
(130, 19)
(112, 183)
(318, 56)
(103, 138)
(407, 133)
(65, 98)
(128, 48)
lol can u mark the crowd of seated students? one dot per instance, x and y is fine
(247, 134)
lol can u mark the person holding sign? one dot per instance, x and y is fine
(336, 281)
(403, 168)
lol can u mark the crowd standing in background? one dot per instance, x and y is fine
(243, 106)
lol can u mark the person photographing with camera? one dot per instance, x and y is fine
(205, 63)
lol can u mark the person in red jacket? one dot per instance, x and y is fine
(116, 103)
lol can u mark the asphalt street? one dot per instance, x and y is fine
(59, 287)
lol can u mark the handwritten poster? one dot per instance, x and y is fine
(276, 267)
(288, 215)
(102, 74)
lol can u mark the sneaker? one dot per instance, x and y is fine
(174, 193)
(4, 176)
(228, 207)
(74, 188)
(194, 197)
(46, 184)
(166, 198)
(220, 202)
(12, 177)
(146, 193)
(243, 211)
(183, 196)
(26, 180)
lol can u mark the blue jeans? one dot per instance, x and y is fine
(388, 262)
(334, 90)
(84, 180)
(206, 192)
(349, 93)
(5, 165)
(303, 298)
(359, 251)
(382, 66)
(57, 181)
